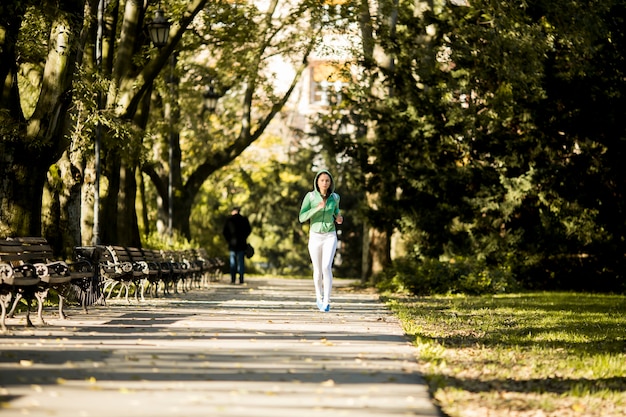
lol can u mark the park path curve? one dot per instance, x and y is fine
(259, 349)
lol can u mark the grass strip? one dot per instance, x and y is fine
(520, 355)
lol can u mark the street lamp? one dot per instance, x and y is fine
(173, 84)
(210, 98)
(98, 138)
(159, 29)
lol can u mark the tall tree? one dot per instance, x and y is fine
(36, 130)
(499, 137)
(240, 51)
(513, 135)
(38, 53)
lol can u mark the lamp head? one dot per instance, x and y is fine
(159, 29)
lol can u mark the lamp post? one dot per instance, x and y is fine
(159, 31)
(98, 138)
(172, 81)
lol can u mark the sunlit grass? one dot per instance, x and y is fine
(549, 354)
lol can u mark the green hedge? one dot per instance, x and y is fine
(458, 276)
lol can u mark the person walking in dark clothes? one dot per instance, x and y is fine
(236, 232)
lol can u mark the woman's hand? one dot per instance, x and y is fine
(339, 219)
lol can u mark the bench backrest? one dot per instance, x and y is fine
(36, 249)
(115, 255)
(135, 254)
(11, 251)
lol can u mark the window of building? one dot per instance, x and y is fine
(328, 80)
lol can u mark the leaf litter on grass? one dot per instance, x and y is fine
(522, 355)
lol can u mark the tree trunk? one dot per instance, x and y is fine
(127, 229)
(380, 252)
(376, 239)
(62, 206)
(31, 143)
(22, 178)
(108, 216)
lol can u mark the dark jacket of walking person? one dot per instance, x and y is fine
(321, 208)
(236, 232)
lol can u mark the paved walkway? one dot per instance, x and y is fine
(261, 349)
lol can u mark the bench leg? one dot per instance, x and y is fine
(136, 284)
(29, 301)
(142, 284)
(5, 300)
(62, 315)
(153, 288)
(28, 297)
(41, 296)
(110, 285)
(18, 297)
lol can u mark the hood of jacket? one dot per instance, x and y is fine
(332, 181)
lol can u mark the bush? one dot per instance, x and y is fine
(458, 276)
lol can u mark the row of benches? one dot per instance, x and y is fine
(28, 270)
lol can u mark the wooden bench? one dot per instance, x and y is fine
(193, 267)
(150, 268)
(178, 272)
(212, 267)
(53, 274)
(17, 278)
(118, 268)
(137, 269)
(86, 285)
(154, 257)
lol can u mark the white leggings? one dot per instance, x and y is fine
(322, 247)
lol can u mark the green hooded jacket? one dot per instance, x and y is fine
(322, 220)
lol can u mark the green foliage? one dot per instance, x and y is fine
(174, 242)
(270, 186)
(269, 190)
(497, 136)
(456, 276)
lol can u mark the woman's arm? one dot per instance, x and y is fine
(306, 212)
(337, 214)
